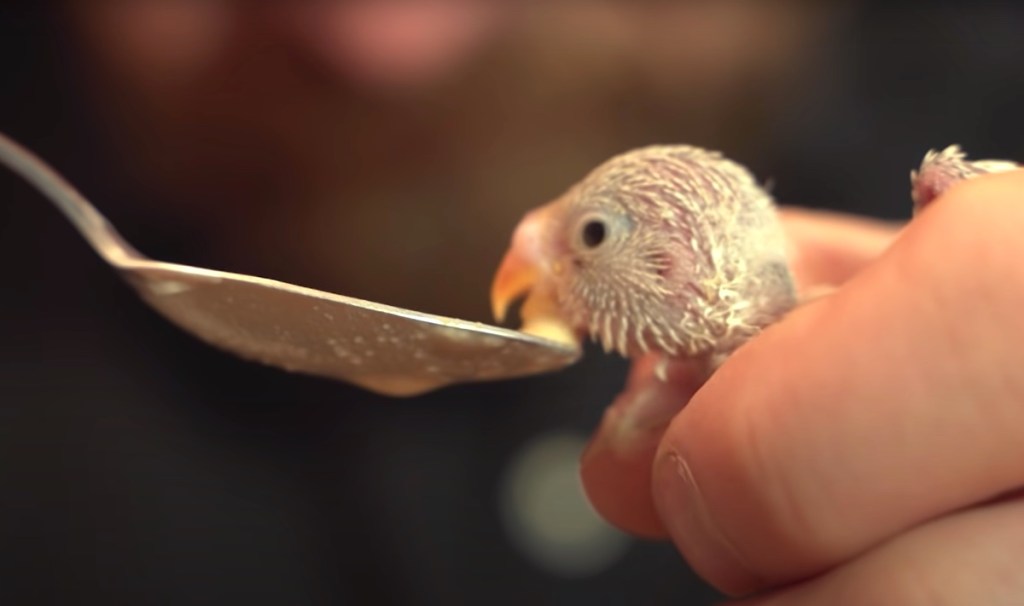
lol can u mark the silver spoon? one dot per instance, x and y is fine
(385, 349)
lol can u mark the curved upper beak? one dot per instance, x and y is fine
(528, 270)
(521, 268)
(515, 277)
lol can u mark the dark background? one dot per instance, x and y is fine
(139, 466)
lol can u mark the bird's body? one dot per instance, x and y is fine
(667, 249)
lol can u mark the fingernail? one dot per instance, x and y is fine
(684, 512)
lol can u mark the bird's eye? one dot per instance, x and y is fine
(594, 233)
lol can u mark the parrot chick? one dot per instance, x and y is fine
(941, 169)
(673, 250)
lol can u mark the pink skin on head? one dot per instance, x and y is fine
(928, 186)
(940, 170)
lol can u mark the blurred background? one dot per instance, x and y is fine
(385, 150)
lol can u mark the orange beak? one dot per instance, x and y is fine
(515, 278)
(527, 270)
(521, 268)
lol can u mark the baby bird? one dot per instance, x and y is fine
(941, 169)
(673, 250)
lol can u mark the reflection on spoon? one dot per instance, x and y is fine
(385, 349)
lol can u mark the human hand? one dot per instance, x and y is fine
(856, 451)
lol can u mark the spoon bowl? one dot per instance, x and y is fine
(381, 348)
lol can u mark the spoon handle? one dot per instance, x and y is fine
(93, 226)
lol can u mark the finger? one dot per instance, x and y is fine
(828, 248)
(616, 469)
(972, 557)
(891, 402)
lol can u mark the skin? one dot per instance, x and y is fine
(865, 449)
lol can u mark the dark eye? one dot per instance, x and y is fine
(594, 232)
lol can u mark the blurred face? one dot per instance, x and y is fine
(379, 44)
(384, 149)
(249, 89)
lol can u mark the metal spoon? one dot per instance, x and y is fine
(385, 349)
